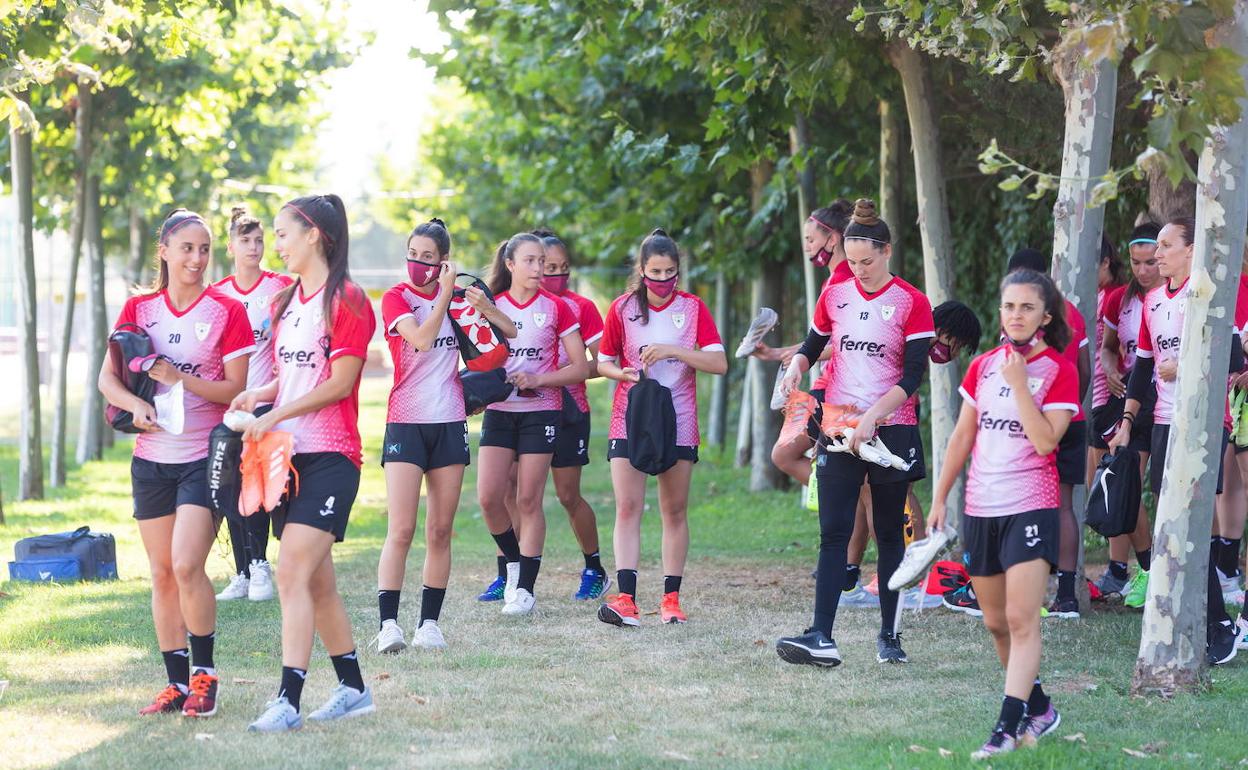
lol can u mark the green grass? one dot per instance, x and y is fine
(560, 689)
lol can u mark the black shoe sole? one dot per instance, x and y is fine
(791, 653)
(610, 617)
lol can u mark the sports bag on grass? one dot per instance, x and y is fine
(650, 420)
(131, 354)
(1114, 499)
(78, 555)
(481, 344)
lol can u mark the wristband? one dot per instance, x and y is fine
(1129, 416)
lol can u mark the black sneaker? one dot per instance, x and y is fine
(963, 600)
(888, 648)
(1067, 609)
(812, 648)
(1221, 643)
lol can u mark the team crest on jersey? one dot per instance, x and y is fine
(887, 311)
(1034, 384)
(678, 320)
(539, 319)
(201, 331)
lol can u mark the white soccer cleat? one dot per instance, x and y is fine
(764, 322)
(429, 636)
(521, 604)
(260, 588)
(919, 558)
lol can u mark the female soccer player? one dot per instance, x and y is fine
(667, 335)
(1110, 276)
(1123, 309)
(883, 332)
(203, 339)
(426, 430)
(1018, 401)
(1160, 339)
(524, 429)
(322, 325)
(249, 536)
(572, 444)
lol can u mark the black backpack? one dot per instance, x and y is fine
(225, 456)
(650, 421)
(127, 343)
(484, 388)
(1114, 499)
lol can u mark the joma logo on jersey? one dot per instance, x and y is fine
(534, 353)
(1168, 343)
(865, 346)
(295, 356)
(988, 422)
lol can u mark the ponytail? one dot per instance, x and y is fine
(500, 276)
(657, 244)
(328, 216)
(175, 221)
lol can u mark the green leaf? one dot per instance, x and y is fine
(1011, 183)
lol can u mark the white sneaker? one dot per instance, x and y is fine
(513, 579)
(429, 636)
(1241, 633)
(261, 587)
(237, 589)
(1230, 583)
(344, 703)
(521, 604)
(390, 638)
(278, 717)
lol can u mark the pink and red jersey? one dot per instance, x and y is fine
(1123, 315)
(198, 341)
(426, 387)
(304, 346)
(1100, 386)
(868, 334)
(1161, 332)
(541, 323)
(1007, 475)
(590, 319)
(683, 322)
(256, 301)
(839, 273)
(1078, 341)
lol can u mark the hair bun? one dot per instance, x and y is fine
(543, 232)
(659, 231)
(438, 222)
(864, 212)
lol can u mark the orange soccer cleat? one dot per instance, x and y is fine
(266, 471)
(798, 410)
(838, 417)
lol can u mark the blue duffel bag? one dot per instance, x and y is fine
(78, 555)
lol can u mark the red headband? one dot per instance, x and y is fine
(329, 241)
(168, 229)
(824, 225)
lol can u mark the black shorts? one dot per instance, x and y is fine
(1106, 417)
(995, 543)
(327, 485)
(1157, 463)
(528, 433)
(159, 488)
(572, 444)
(902, 440)
(429, 445)
(1072, 454)
(618, 447)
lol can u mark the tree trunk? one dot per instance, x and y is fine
(744, 423)
(30, 463)
(1077, 226)
(718, 417)
(134, 265)
(937, 246)
(91, 426)
(1166, 202)
(1173, 634)
(82, 151)
(768, 291)
(799, 141)
(890, 180)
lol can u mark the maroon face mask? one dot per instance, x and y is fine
(556, 283)
(940, 353)
(821, 258)
(661, 289)
(421, 273)
(1023, 348)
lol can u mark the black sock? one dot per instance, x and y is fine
(529, 566)
(502, 567)
(626, 581)
(388, 604)
(1215, 550)
(1118, 569)
(178, 667)
(509, 545)
(201, 650)
(238, 544)
(853, 573)
(430, 604)
(1216, 611)
(671, 584)
(257, 538)
(1065, 584)
(594, 563)
(1012, 711)
(1038, 701)
(1230, 556)
(292, 685)
(347, 667)
(1144, 558)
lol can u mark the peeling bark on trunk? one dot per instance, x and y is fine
(1166, 202)
(91, 426)
(768, 291)
(1174, 633)
(1089, 95)
(937, 247)
(799, 140)
(82, 151)
(717, 428)
(30, 462)
(890, 180)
